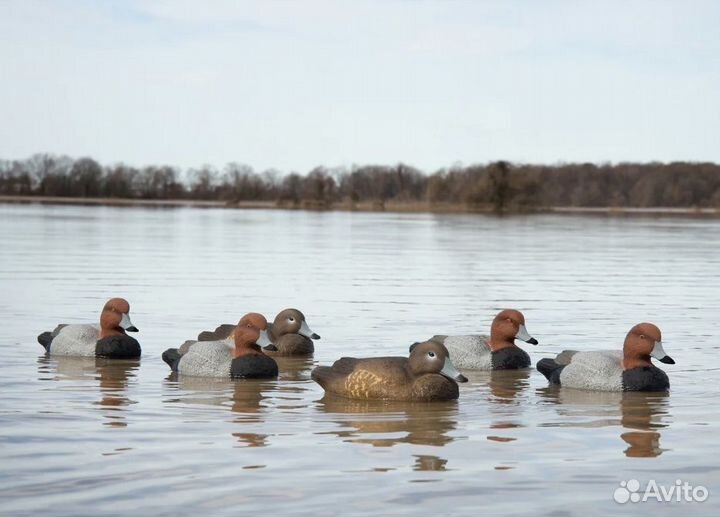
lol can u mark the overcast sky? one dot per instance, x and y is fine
(294, 84)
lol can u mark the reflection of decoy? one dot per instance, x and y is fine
(582, 408)
(426, 462)
(67, 367)
(504, 388)
(252, 439)
(244, 398)
(501, 426)
(643, 411)
(419, 424)
(247, 403)
(642, 444)
(294, 368)
(506, 385)
(247, 397)
(113, 377)
(640, 411)
(215, 391)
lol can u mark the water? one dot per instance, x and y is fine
(87, 437)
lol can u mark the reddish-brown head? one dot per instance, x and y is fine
(115, 318)
(247, 333)
(643, 342)
(508, 325)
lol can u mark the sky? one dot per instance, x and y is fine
(291, 84)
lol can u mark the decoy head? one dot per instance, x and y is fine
(432, 357)
(115, 316)
(643, 342)
(507, 326)
(292, 321)
(248, 329)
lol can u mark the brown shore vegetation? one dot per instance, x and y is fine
(493, 187)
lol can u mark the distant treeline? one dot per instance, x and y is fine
(498, 185)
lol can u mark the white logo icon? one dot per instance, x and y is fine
(630, 491)
(627, 492)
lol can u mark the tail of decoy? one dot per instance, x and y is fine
(565, 357)
(172, 357)
(45, 339)
(321, 375)
(550, 369)
(221, 332)
(332, 378)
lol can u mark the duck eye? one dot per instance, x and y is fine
(291, 319)
(431, 354)
(642, 336)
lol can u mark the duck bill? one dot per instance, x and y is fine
(126, 324)
(264, 340)
(523, 334)
(658, 352)
(305, 331)
(449, 371)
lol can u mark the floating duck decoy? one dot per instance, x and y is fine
(613, 370)
(109, 339)
(426, 375)
(497, 351)
(241, 359)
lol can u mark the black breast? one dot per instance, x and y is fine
(646, 378)
(118, 347)
(510, 358)
(253, 367)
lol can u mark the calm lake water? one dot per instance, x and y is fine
(87, 437)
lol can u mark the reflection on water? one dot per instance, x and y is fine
(248, 399)
(643, 413)
(388, 423)
(426, 462)
(294, 368)
(506, 386)
(244, 399)
(112, 378)
(86, 437)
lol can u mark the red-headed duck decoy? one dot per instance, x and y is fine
(613, 370)
(241, 359)
(427, 375)
(106, 340)
(497, 351)
(288, 335)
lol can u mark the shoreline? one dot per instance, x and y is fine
(346, 206)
